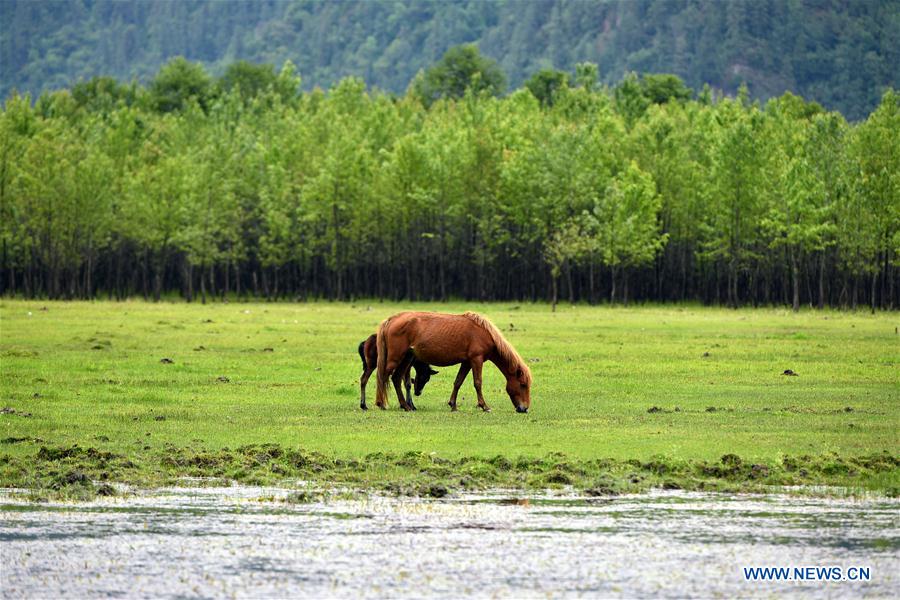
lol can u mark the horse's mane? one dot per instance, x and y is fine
(504, 348)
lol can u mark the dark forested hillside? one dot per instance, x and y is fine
(839, 53)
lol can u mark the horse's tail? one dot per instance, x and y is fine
(381, 344)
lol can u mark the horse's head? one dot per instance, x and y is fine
(518, 386)
(421, 378)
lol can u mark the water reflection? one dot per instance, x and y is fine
(225, 542)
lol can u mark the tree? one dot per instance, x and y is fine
(631, 102)
(546, 84)
(251, 79)
(102, 94)
(156, 213)
(875, 206)
(567, 245)
(660, 88)
(798, 218)
(460, 69)
(177, 82)
(731, 227)
(624, 223)
(670, 144)
(587, 74)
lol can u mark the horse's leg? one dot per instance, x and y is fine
(397, 376)
(369, 361)
(389, 370)
(363, 380)
(407, 383)
(476, 380)
(460, 377)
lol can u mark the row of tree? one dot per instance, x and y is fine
(561, 188)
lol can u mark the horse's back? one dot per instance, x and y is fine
(439, 338)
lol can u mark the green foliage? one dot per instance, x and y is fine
(624, 224)
(462, 68)
(178, 82)
(252, 81)
(102, 94)
(586, 75)
(249, 78)
(660, 88)
(625, 220)
(838, 53)
(206, 190)
(546, 84)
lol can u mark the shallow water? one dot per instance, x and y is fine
(214, 542)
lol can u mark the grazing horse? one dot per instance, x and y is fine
(368, 352)
(441, 339)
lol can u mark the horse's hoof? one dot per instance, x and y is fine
(364, 407)
(486, 409)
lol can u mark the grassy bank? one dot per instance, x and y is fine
(699, 393)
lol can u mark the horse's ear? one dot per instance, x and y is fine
(432, 371)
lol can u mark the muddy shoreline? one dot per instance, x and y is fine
(83, 473)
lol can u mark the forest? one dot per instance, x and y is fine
(840, 54)
(564, 189)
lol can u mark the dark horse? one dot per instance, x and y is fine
(440, 339)
(368, 352)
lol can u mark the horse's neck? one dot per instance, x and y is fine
(502, 364)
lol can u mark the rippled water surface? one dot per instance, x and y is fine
(226, 542)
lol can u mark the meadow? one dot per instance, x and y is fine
(623, 398)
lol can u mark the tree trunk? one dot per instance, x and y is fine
(872, 297)
(890, 276)
(119, 273)
(555, 279)
(729, 299)
(795, 284)
(612, 293)
(88, 284)
(734, 292)
(441, 269)
(822, 280)
(189, 273)
(145, 266)
(591, 286)
(227, 280)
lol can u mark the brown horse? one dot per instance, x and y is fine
(368, 352)
(440, 339)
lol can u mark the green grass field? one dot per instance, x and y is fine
(90, 374)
